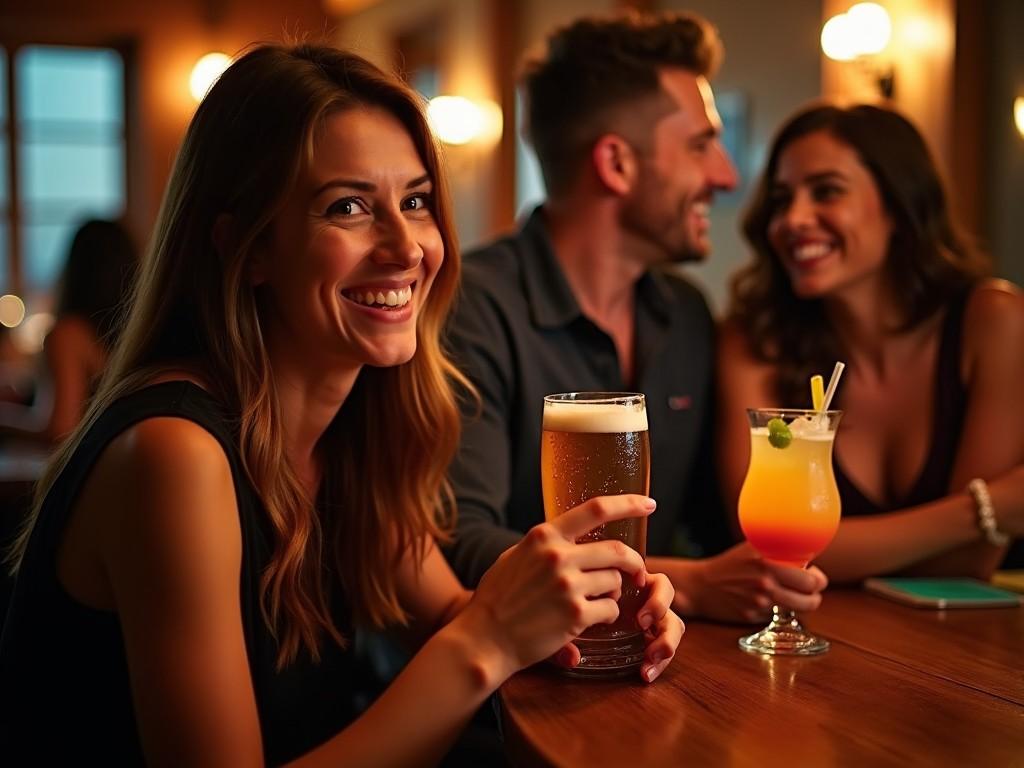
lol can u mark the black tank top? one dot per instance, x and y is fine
(947, 424)
(64, 688)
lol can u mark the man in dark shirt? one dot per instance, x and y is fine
(623, 122)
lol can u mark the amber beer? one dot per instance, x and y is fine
(595, 444)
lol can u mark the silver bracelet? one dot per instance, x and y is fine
(978, 489)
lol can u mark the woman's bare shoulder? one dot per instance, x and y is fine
(163, 465)
(735, 347)
(995, 312)
(732, 335)
(993, 331)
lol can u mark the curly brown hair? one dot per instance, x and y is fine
(600, 75)
(929, 259)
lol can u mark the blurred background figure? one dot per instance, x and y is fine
(856, 258)
(90, 295)
(17, 381)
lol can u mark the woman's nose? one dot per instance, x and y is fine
(799, 212)
(396, 243)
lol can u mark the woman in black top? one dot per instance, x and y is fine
(263, 465)
(855, 258)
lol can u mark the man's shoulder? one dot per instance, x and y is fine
(492, 264)
(491, 293)
(684, 292)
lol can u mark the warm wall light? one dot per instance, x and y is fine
(870, 28)
(1018, 114)
(836, 42)
(860, 35)
(458, 120)
(205, 73)
(12, 310)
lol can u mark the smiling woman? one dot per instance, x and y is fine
(856, 257)
(360, 234)
(263, 465)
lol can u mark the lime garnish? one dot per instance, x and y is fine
(779, 434)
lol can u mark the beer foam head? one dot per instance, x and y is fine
(593, 417)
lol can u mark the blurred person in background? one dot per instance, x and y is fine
(17, 379)
(584, 296)
(90, 298)
(856, 258)
(263, 466)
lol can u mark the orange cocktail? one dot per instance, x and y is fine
(789, 507)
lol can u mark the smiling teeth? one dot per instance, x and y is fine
(390, 298)
(811, 251)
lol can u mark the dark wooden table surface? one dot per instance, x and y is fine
(901, 686)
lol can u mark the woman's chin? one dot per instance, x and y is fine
(809, 288)
(391, 355)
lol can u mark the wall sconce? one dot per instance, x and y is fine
(457, 120)
(1018, 114)
(860, 35)
(205, 73)
(12, 310)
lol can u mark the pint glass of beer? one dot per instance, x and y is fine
(595, 444)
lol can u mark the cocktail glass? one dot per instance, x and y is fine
(789, 508)
(596, 444)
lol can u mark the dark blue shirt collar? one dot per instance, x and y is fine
(551, 300)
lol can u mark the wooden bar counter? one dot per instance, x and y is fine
(900, 686)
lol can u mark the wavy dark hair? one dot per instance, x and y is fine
(929, 259)
(600, 75)
(382, 499)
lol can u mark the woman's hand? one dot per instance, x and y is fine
(543, 592)
(662, 630)
(739, 585)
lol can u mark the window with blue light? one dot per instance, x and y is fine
(5, 205)
(70, 113)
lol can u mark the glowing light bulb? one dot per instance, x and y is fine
(836, 40)
(1018, 114)
(455, 119)
(458, 120)
(870, 28)
(205, 73)
(12, 310)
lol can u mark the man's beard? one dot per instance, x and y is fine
(647, 219)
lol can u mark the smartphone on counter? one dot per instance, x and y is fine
(942, 593)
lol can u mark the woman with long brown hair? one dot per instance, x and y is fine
(264, 463)
(856, 258)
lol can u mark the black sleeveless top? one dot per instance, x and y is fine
(948, 413)
(64, 687)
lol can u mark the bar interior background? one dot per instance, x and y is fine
(957, 69)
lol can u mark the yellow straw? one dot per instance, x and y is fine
(817, 392)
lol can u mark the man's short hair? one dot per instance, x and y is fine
(599, 70)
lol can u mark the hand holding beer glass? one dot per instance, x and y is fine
(596, 444)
